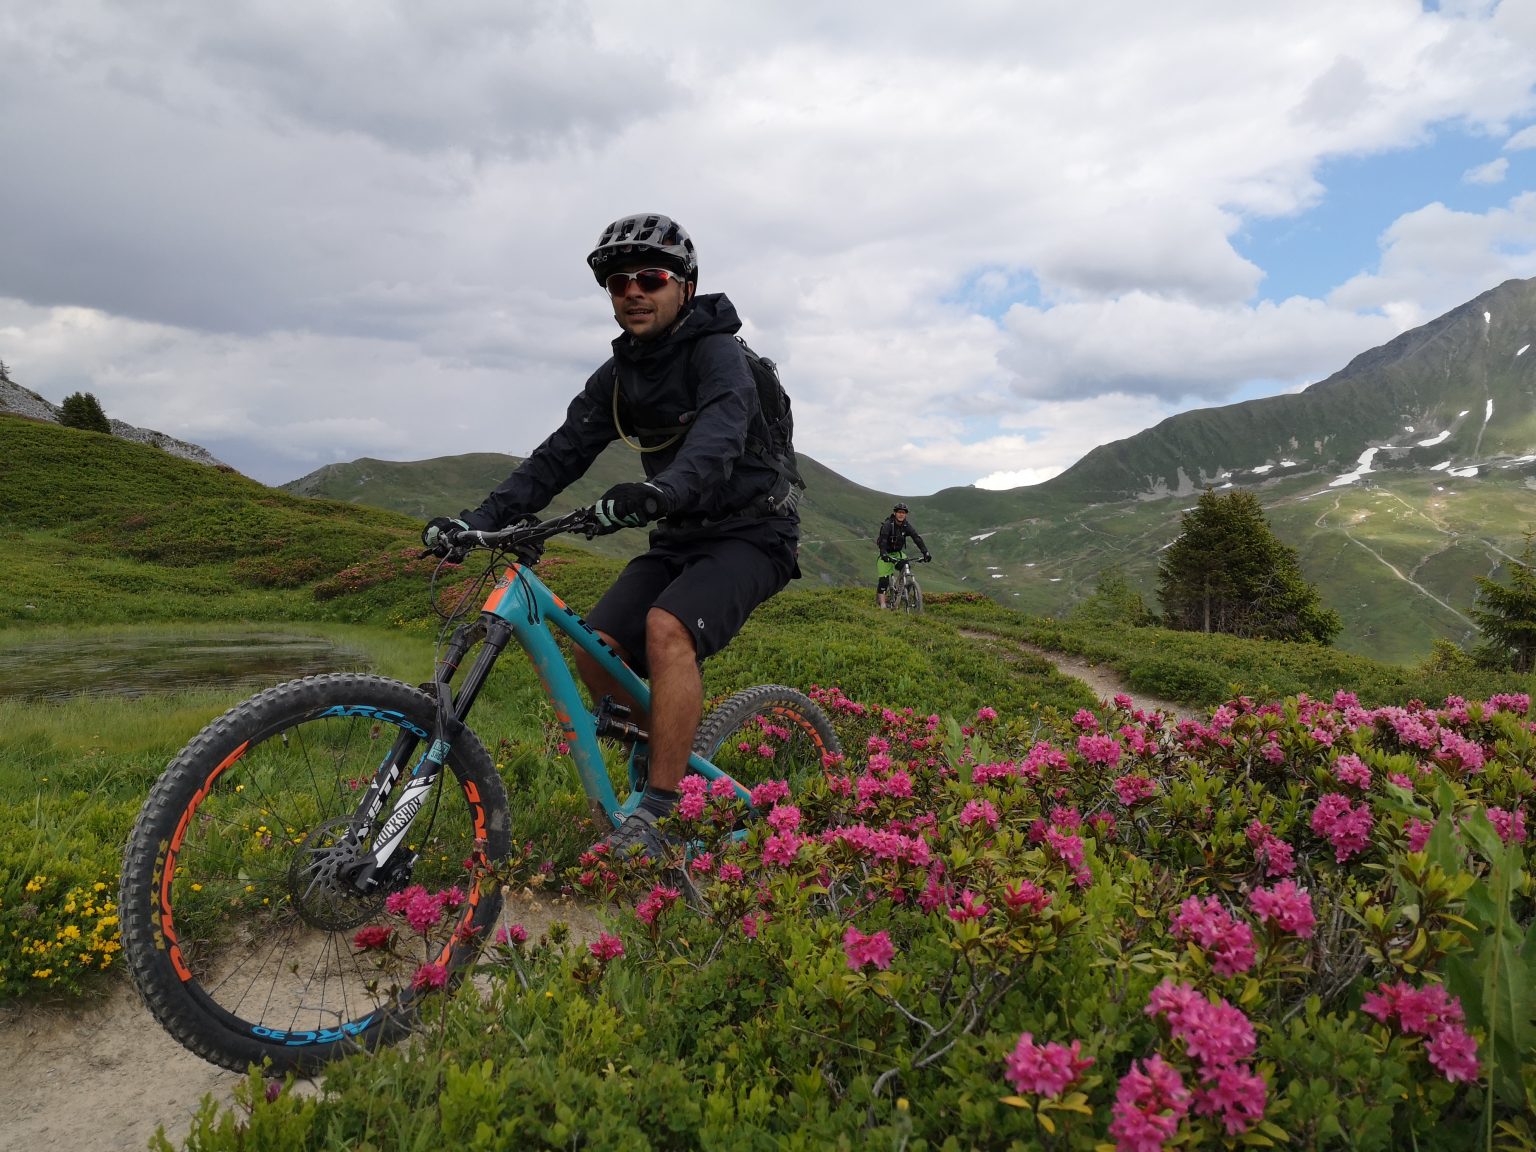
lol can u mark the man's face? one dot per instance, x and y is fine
(901, 517)
(646, 314)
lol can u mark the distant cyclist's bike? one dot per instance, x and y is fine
(321, 810)
(904, 593)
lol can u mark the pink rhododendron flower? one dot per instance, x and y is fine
(1288, 907)
(606, 947)
(730, 873)
(1083, 718)
(1350, 769)
(1236, 1094)
(1456, 751)
(784, 818)
(1228, 941)
(1272, 753)
(1215, 1034)
(1346, 827)
(1419, 833)
(1273, 853)
(372, 937)
(781, 848)
(749, 925)
(509, 934)
(657, 901)
(1149, 1103)
(1132, 790)
(969, 908)
(1428, 1011)
(978, 810)
(1453, 1052)
(429, 976)
(768, 792)
(1046, 1069)
(1103, 750)
(723, 788)
(986, 715)
(861, 950)
(702, 864)
(1026, 894)
(1516, 702)
(1509, 825)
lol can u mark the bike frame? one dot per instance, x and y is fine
(520, 608)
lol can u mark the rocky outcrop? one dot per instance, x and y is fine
(19, 401)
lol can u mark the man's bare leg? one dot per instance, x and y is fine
(677, 697)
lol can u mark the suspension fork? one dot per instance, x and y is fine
(451, 713)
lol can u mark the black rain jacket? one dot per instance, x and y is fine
(694, 379)
(893, 536)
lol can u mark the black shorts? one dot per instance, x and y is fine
(710, 582)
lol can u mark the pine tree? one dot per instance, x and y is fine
(1228, 572)
(1507, 613)
(82, 410)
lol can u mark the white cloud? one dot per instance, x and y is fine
(1435, 258)
(967, 231)
(1492, 172)
(1525, 138)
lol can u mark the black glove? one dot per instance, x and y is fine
(436, 535)
(926, 557)
(887, 558)
(631, 505)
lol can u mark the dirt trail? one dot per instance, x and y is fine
(101, 1077)
(1103, 681)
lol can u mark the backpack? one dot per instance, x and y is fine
(778, 452)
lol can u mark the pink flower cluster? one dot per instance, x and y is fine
(697, 792)
(1149, 1103)
(1433, 1012)
(421, 909)
(1286, 906)
(513, 935)
(1047, 1069)
(1132, 790)
(429, 976)
(882, 844)
(862, 950)
(1273, 853)
(1219, 1039)
(1509, 825)
(1103, 750)
(975, 810)
(1227, 940)
(656, 901)
(606, 947)
(1026, 894)
(1345, 826)
(1350, 769)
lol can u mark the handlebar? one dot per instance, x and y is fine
(524, 539)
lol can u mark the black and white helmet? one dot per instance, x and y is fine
(648, 234)
(900, 508)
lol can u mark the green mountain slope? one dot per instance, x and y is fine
(1449, 409)
(1461, 388)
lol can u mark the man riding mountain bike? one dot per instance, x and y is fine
(678, 390)
(891, 540)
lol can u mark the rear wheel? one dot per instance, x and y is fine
(239, 925)
(768, 733)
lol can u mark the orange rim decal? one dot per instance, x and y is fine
(168, 869)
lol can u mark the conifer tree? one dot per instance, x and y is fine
(1506, 615)
(1228, 572)
(82, 410)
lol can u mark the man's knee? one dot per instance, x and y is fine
(667, 638)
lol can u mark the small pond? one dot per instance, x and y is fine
(138, 665)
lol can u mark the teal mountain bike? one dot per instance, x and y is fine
(312, 812)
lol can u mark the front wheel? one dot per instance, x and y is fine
(914, 596)
(768, 733)
(239, 925)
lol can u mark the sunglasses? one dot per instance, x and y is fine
(649, 279)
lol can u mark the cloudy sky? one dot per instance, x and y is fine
(980, 237)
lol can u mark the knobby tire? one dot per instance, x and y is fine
(769, 732)
(235, 947)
